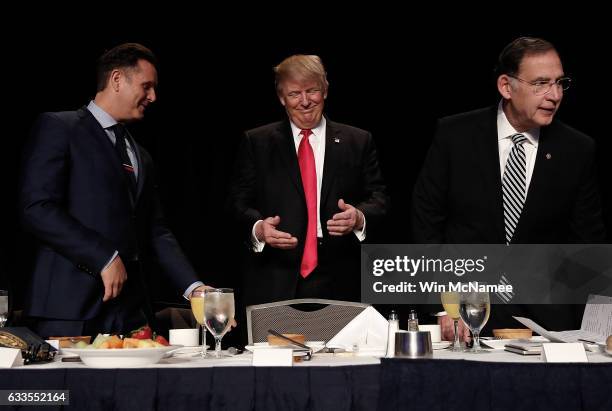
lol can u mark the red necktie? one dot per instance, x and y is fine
(309, 181)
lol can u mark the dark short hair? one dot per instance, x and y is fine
(511, 56)
(124, 55)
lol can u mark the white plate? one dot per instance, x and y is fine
(120, 357)
(440, 345)
(609, 352)
(315, 345)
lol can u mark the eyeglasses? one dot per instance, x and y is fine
(541, 87)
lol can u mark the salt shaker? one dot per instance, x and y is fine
(413, 321)
(392, 328)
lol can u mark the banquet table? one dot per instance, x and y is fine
(495, 381)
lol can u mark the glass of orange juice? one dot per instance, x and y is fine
(450, 301)
(197, 308)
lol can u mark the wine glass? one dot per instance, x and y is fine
(219, 313)
(197, 308)
(475, 308)
(450, 301)
(3, 307)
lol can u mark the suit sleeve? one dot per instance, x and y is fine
(586, 221)
(375, 207)
(43, 197)
(243, 191)
(429, 199)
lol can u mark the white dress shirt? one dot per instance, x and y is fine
(504, 144)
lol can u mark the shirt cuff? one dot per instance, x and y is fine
(190, 289)
(257, 246)
(110, 261)
(361, 234)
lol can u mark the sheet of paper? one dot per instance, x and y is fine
(597, 317)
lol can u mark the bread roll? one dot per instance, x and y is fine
(274, 340)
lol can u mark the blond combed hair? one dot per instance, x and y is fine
(301, 67)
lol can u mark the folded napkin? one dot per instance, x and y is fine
(367, 332)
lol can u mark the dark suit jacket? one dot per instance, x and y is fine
(458, 196)
(75, 200)
(268, 183)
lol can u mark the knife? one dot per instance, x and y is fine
(299, 344)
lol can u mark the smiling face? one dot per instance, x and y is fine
(303, 101)
(524, 109)
(135, 89)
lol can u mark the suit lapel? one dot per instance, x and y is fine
(486, 149)
(106, 146)
(541, 174)
(283, 138)
(333, 141)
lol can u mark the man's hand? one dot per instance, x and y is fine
(346, 221)
(113, 277)
(266, 231)
(448, 329)
(200, 288)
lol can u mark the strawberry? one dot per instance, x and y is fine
(143, 333)
(160, 339)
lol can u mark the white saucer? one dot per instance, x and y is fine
(440, 345)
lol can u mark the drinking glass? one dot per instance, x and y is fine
(3, 307)
(219, 313)
(450, 301)
(197, 308)
(475, 308)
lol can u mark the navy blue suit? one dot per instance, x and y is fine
(75, 200)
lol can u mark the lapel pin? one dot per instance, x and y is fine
(336, 140)
(548, 156)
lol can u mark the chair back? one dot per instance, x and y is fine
(317, 319)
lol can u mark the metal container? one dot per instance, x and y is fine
(413, 344)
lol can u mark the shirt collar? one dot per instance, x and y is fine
(101, 116)
(317, 132)
(506, 130)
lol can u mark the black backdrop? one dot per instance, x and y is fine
(391, 77)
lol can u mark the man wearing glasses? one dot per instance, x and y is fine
(511, 173)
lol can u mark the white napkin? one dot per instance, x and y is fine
(367, 331)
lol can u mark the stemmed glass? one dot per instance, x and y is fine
(219, 313)
(450, 301)
(3, 307)
(197, 308)
(475, 308)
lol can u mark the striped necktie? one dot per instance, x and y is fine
(514, 185)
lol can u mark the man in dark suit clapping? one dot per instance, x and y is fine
(305, 191)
